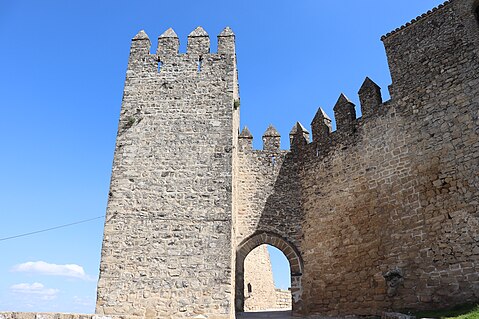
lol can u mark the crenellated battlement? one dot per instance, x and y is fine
(422, 55)
(198, 42)
(418, 18)
(197, 57)
(168, 62)
(321, 125)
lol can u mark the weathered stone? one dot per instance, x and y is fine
(168, 232)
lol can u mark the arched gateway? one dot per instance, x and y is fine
(291, 253)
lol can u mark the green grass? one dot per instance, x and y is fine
(460, 312)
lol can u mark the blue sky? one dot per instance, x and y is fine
(62, 67)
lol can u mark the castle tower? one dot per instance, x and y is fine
(168, 231)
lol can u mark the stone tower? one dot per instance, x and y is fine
(260, 292)
(167, 248)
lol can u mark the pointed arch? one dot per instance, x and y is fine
(288, 249)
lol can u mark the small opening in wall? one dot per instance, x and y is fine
(476, 11)
(160, 64)
(200, 62)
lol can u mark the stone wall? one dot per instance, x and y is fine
(269, 208)
(268, 187)
(391, 205)
(167, 248)
(283, 299)
(382, 212)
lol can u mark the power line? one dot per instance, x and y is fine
(52, 228)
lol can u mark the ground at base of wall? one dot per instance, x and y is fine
(466, 311)
(281, 314)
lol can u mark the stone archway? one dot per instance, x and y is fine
(288, 249)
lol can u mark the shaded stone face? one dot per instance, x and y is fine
(395, 189)
(400, 191)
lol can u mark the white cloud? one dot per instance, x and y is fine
(83, 301)
(36, 289)
(44, 268)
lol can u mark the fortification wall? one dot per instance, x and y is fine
(268, 187)
(381, 214)
(269, 208)
(349, 223)
(167, 248)
(383, 211)
(283, 299)
(391, 200)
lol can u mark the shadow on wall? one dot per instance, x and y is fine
(279, 223)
